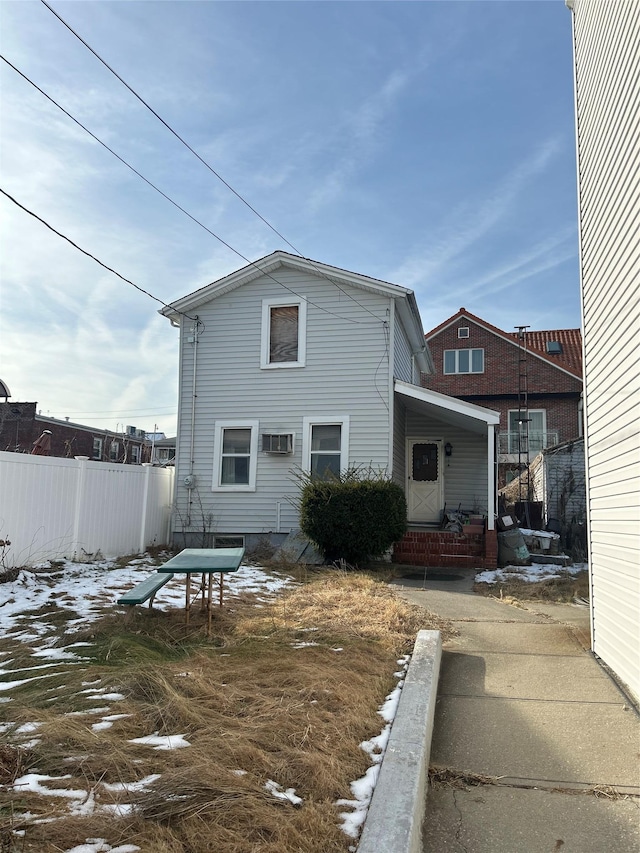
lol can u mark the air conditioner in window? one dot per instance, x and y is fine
(277, 442)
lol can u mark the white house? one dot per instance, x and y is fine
(290, 364)
(607, 87)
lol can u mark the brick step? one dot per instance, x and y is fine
(447, 548)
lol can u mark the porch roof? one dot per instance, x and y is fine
(449, 409)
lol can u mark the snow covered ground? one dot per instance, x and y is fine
(30, 618)
(530, 574)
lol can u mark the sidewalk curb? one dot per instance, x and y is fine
(394, 819)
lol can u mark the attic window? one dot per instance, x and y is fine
(463, 331)
(554, 347)
(283, 333)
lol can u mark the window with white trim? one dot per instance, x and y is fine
(235, 456)
(284, 333)
(527, 436)
(464, 361)
(463, 331)
(114, 451)
(325, 446)
(97, 448)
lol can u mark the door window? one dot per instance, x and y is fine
(425, 462)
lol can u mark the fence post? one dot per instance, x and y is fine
(80, 487)
(145, 509)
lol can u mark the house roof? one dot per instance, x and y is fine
(569, 339)
(569, 360)
(269, 266)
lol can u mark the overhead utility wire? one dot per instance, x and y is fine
(93, 257)
(168, 198)
(195, 153)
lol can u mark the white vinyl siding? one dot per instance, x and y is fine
(403, 367)
(607, 57)
(346, 371)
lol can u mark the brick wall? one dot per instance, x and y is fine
(500, 366)
(20, 427)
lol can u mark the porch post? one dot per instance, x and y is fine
(491, 477)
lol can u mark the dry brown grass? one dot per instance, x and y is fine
(561, 589)
(252, 701)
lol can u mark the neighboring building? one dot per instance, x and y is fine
(163, 451)
(484, 365)
(292, 365)
(607, 80)
(558, 482)
(20, 427)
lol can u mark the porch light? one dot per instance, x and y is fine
(448, 449)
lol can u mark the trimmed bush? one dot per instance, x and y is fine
(354, 517)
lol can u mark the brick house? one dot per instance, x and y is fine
(482, 364)
(21, 425)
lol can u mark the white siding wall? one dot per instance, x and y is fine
(403, 364)
(52, 508)
(399, 443)
(465, 471)
(607, 55)
(346, 373)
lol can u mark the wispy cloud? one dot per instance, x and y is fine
(471, 221)
(357, 137)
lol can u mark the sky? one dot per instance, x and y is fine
(428, 144)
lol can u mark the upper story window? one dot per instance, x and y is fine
(463, 331)
(284, 333)
(97, 448)
(235, 456)
(135, 454)
(464, 361)
(325, 446)
(114, 451)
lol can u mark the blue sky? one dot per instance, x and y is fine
(430, 144)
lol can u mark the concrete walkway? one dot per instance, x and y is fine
(522, 702)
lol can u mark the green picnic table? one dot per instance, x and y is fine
(206, 562)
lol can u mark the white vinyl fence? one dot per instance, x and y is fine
(52, 508)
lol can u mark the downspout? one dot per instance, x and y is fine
(189, 479)
(391, 328)
(581, 415)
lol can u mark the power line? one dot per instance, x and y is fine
(168, 126)
(175, 204)
(195, 154)
(93, 257)
(169, 409)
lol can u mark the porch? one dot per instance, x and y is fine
(445, 458)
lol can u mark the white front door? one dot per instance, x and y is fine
(424, 480)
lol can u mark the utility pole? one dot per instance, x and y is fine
(523, 418)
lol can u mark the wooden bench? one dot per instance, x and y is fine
(146, 589)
